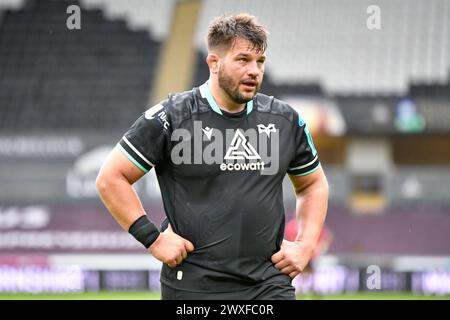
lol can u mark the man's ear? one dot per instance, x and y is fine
(213, 61)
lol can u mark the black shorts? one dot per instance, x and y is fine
(263, 292)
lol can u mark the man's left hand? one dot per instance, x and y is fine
(293, 257)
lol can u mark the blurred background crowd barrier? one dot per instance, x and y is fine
(371, 79)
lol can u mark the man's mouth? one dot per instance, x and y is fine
(249, 84)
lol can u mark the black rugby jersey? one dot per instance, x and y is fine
(221, 177)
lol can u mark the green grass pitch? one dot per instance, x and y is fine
(156, 296)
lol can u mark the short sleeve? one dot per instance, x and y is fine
(146, 142)
(306, 159)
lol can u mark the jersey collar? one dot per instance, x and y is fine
(206, 93)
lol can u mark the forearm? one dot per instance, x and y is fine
(120, 199)
(311, 210)
(115, 187)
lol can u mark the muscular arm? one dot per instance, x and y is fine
(114, 184)
(311, 205)
(311, 208)
(115, 187)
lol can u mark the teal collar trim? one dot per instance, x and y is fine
(249, 106)
(206, 93)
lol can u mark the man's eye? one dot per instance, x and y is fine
(243, 59)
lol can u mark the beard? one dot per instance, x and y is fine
(231, 88)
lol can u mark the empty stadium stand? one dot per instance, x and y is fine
(59, 79)
(328, 42)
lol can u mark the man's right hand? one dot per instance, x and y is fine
(170, 248)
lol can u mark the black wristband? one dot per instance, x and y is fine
(144, 231)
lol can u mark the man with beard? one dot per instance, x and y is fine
(223, 236)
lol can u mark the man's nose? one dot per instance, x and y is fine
(253, 69)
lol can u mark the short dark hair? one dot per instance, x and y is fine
(224, 30)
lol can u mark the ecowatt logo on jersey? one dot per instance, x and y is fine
(241, 149)
(255, 149)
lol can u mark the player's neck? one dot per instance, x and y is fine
(223, 100)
